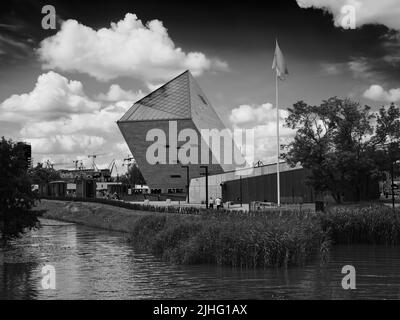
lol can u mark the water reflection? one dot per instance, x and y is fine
(97, 264)
(16, 281)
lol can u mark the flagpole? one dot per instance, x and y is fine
(278, 184)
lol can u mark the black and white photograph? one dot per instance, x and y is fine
(199, 156)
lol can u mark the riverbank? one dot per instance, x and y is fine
(250, 240)
(92, 214)
(235, 240)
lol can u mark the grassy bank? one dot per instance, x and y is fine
(238, 239)
(92, 214)
(222, 238)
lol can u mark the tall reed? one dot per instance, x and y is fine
(231, 240)
(375, 224)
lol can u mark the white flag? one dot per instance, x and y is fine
(279, 64)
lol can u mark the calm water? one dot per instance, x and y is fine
(96, 264)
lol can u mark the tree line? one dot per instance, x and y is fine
(344, 146)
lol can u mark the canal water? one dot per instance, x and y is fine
(98, 264)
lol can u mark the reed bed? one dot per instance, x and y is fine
(245, 239)
(270, 239)
(231, 240)
(375, 224)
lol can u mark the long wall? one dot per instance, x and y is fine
(218, 182)
(293, 188)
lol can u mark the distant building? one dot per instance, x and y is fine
(259, 185)
(103, 175)
(180, 101)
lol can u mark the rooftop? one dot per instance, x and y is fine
(173, 100)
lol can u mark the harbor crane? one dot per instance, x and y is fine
(93, 157)
(49, 165)
(78, 164)
(111, 167)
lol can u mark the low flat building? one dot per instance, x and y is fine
(258, 184)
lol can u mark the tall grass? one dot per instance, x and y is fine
(266, 240)
(231, 240)
(254, 239)
(373, 224)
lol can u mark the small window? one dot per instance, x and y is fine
(175, 175)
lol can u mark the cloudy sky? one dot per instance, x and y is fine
(63, 89)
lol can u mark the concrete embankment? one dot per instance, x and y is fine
(92, 214)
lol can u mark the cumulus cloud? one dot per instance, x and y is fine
(385, 12)
(262, 119)
(101, 121)
(361, 68)
(61, 144)
(123, 148)
(377, 93)
(250, 115)
(63, 124)
(332, 68)
(128, 48)
(53, 96)
(116, 93)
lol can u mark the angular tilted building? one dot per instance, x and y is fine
(180, 103)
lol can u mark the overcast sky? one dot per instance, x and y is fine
(62, 90)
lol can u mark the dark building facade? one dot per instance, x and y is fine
(263, 188)
(294, 189)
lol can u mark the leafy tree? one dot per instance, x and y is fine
(387, 137)
(41, 174)
(133, 176)
(335, 143)
(16, 197)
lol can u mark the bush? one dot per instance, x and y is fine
(16, 197)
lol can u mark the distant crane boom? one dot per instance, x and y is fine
(93, 157)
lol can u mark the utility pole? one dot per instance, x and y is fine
(187, 181)
(206, 172)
